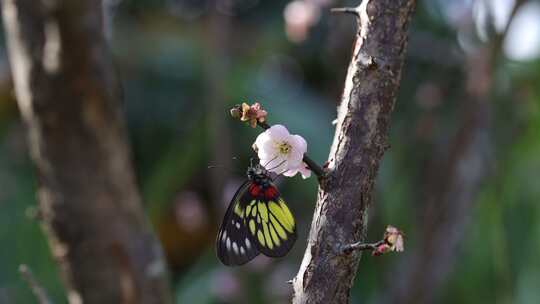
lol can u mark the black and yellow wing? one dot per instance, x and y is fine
(233, 244)
(257, 220)
(270, 223)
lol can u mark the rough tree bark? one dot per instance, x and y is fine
(88, 198)
(326, 274)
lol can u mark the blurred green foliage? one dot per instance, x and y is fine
(183, 64)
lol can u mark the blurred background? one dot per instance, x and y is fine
(461, 178)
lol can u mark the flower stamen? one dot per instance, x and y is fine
(284, 148)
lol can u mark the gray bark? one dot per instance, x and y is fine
(88, 198)
(345, 194)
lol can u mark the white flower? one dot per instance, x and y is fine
(281, 152)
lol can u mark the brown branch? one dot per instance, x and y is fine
(346, 10)
(326, 275)
(69, 99)
(38, 291)
(348, 249)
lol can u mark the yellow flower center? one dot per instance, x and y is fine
(284, 148)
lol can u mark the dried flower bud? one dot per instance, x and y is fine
(236, 111)
(252, 114)
(393, 237)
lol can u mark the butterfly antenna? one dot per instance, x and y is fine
(280, 173)
(281, 163)
(268, 163)
(230, 170)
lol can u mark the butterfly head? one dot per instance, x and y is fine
(259, 175)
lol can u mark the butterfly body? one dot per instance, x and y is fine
(257, 221)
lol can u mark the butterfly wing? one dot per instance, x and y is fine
(233, 245)
(270, 224)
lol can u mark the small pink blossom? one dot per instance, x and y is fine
(302, 169)
(393, 241)
(282, 152)
(300, 16)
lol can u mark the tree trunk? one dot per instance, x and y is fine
(326, 274)
(88, 198)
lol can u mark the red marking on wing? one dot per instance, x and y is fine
(271, 192)
(254, 190)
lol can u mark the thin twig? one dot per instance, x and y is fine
(309, 162)
(361, 246)
(346, 10)
(499, 38)
(38, 291)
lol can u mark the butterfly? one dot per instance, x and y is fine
(257, 221)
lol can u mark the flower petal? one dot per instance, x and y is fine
(304, 171)
(262, 138)
(295, 157)
(291, 172)
(299, 147)
(278, 165)
(278, 133)
(268, 150)
(265, 146)
(298, 143)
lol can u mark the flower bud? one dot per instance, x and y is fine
(236, 111)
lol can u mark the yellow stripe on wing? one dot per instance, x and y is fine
(260, 237)
(279, 229)
(282, 215)
(269, 242)
(274, 235)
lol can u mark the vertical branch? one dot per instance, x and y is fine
(68, 96)
(345, 194)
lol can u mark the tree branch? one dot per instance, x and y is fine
(345, 195)
(69, 99)
(346, 10)
(348, 249)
